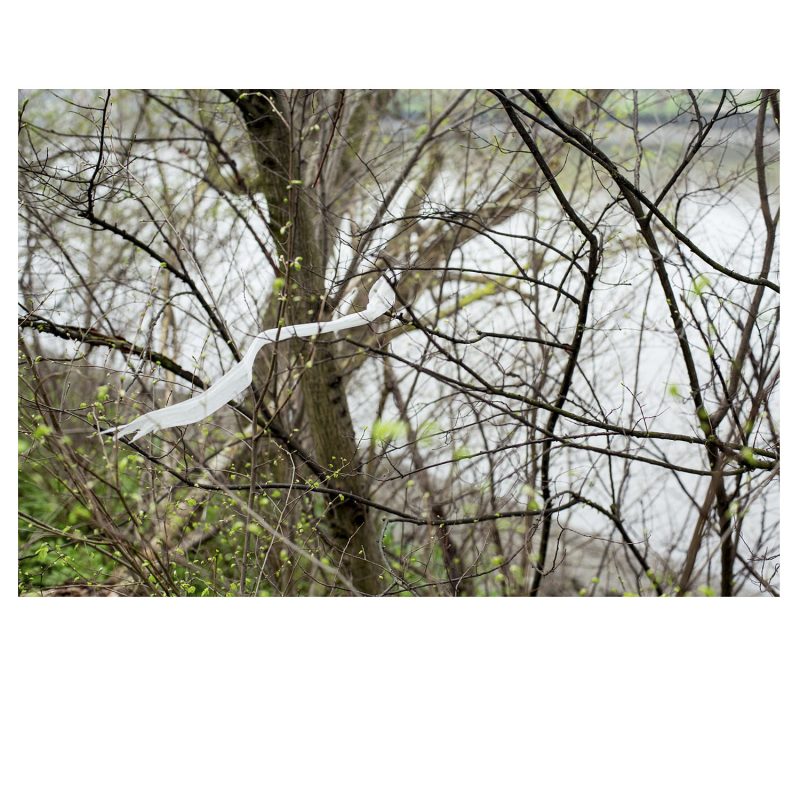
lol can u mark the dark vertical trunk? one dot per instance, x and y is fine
(294, 224)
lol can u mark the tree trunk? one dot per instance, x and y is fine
(294, 223)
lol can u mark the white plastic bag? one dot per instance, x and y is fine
(239, 377)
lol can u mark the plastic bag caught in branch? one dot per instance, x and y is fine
(239, 377)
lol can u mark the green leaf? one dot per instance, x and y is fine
(387, 430)
(699, 284)
(460, 453)
(748, 456)
(42, 431)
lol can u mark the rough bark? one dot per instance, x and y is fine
(295, 225)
